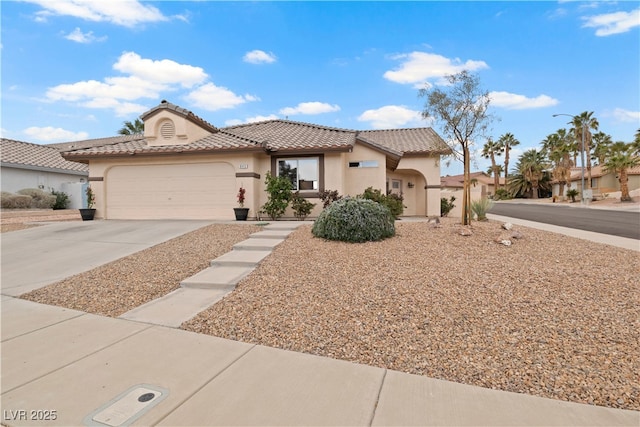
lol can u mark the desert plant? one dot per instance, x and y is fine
(301, 206)
(355, 220)
(91, 198)
(392, 201)
(481, 207)
(446, 205)
(501, 194)
(62, 199)
(240, 195)
(15, 201)
(39, 198)
(279, 189)
(572, 193)
(328, 197)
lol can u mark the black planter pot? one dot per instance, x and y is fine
(87, 214)
(241, 213)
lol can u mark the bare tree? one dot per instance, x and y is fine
(461, 107)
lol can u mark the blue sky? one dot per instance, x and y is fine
(77, 69)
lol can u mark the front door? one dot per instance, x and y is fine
(396, 186)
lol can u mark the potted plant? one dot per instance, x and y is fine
(241, 212)
(89, 212)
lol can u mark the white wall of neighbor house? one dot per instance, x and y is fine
(14, 179)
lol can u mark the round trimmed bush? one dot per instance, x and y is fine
(39, 198)
(355, 220)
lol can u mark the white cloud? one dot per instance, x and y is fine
(162, 71)
(512, 101)
(392, 116)
(78, 36)
(212, 98)
(310, 108)
(54, 134)
(259, 57)
(126, 13)
(418, 67)
(622, 115)
(236, 122)
(613, 23)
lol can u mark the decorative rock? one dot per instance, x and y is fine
(506, 242)
(466, 232)
(507, 226)
(516, 235)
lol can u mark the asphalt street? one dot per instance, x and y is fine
(615, 223)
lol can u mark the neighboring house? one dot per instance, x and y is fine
(601, 182)
(26, 165)
(184, 167)
(481, 183)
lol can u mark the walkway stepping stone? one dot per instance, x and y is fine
(240, 258)
(258, 244)
(217, 277)
(271, 234)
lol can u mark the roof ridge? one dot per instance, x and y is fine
(293, 122)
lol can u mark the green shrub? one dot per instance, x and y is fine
(392, 201)
(481, 207)
(573, 193)
(15, 201)
(39, 199)
(301, 206)
(355, 220)
(62, 200)
(446, 205)
(279, 189)
(501, 194)
(328, 197)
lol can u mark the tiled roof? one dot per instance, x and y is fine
(22, 154)
(407, 141)
(457, 181)
(219, 141)
(165, 105)
(88, 143)
(290, 135)
(598, 171)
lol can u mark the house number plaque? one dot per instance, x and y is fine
(244, 166)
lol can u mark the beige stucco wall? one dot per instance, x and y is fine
(427, 193)
(185, 130)
(356, 180)
(99, 171)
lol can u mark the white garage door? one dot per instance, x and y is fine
(179, 191)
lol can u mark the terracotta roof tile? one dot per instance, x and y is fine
(598, 171)
(290, 135)
(406, 141)
(216, 142)
(42, 156)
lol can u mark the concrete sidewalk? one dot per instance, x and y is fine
(65, 367)
(74, 368)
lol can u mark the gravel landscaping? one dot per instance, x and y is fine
(550, 315)
(124, 284)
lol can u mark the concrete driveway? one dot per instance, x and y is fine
(39, 256)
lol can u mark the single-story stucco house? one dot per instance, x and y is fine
(602, 182)
(183, 167)
(25, 165)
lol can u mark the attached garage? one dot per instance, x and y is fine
(171, 191)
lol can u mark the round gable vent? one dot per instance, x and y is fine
(167, 130)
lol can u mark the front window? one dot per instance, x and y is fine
(302, 172)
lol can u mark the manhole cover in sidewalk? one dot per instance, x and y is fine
(127, 407)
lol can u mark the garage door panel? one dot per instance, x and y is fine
(178, 191)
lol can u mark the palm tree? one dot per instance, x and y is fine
(635, 145)
(584, 122)
(601, 145)
(507, 142)
(490, 150)
(529, 174)
(557, 147)
(620, 160)
(134, 128)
